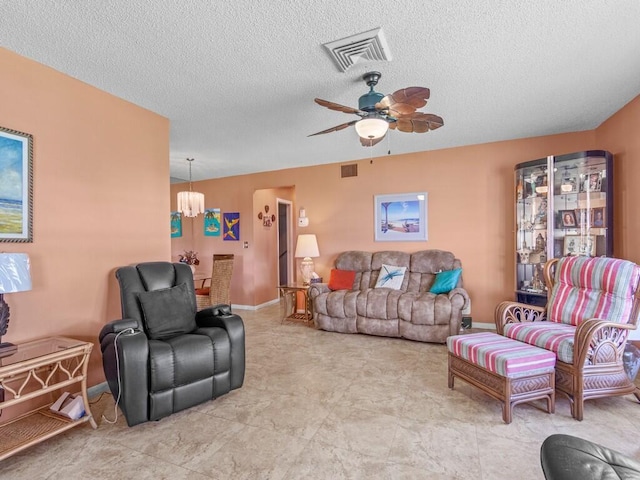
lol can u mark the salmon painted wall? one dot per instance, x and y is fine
(620, 135)
(100, 199)
(470, 212)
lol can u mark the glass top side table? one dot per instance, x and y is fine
(41, 367)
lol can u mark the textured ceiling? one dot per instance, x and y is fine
(237, 78)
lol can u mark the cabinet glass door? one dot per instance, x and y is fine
(564, 206)
(532, 221)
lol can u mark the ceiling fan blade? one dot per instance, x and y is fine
(334, 129)
(417, 122)
(337, 107)
(370, 142)
(404, 101)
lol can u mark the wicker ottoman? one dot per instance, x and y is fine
(510, 371)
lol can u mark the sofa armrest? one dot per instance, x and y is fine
(600, 341)
(317, 288)
(459, 292)
(514, 312)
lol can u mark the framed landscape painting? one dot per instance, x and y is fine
(16, 186)
(400, 217)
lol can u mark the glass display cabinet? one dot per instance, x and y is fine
(564, 206)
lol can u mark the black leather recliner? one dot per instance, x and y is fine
(163, 356)
(565, 457)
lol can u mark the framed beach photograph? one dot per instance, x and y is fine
(400, 217)
(16, 186)
(579, 245)
(568, 219)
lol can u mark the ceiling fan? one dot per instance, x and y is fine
(378, 112)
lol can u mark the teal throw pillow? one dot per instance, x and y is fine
(446, 281)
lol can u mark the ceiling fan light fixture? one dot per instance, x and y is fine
(372, 127)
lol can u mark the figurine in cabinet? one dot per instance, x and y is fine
(524, 254)
(537, 285)
(541, 213)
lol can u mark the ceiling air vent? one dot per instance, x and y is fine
(349, 170)
(368, 46)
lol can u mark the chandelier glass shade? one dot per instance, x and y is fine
(190, 204)
(372, 127)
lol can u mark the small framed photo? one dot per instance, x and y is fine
(583, 217)
(592, 182)
(568, 219)
(579, 245)
(598, 218)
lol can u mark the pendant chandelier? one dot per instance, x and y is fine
(190, 203)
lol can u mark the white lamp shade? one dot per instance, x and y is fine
(372, 127)
(190, 204)
(307, 246)
(15, 273)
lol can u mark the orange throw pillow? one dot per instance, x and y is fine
(341, 279)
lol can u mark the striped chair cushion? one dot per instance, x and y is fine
(501, 355)
(555, 337)
(588, 287)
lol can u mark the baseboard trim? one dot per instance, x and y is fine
(97, 389)
(484, 326)
(255, 307)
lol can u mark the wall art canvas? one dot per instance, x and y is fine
(212, 222)
(176, 224)
(400, 217)
(231, 226)
(16, 186)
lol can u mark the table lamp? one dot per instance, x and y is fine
(306, 248)
(14, 277)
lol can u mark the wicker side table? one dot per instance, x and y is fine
(290, 295)
(38, 368)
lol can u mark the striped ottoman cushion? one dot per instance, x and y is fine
(555, 337)
(503, 356)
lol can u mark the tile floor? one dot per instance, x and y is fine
(322, 405)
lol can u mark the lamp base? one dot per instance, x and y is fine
(306, 269)
(7, 349)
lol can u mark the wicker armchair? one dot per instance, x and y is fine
(592, 306)
(218, 292)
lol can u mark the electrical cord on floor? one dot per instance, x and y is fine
(98, 399)
(115, 348)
